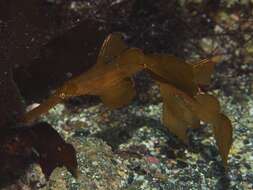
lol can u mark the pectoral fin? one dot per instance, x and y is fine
(112, 47)
(177, 117)
(118, 95)
(174, 123)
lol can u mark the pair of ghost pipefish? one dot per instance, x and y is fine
(183, 105)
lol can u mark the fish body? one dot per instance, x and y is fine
(103, 76)
(110, 79)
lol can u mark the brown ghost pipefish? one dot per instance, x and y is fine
(116, 63)
(183, 105)
(109, 78)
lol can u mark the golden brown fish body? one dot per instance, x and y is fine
(173, 70)
(102, 76)
(100, 80)
(183, 104)
(110, 78)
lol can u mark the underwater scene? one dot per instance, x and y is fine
(126, 95)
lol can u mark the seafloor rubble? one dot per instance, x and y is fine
(128, 148)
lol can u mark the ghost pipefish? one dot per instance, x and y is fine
(116, 63)
(111, 77)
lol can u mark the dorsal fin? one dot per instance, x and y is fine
(203, 70)
(112, 47)
(173, 70)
